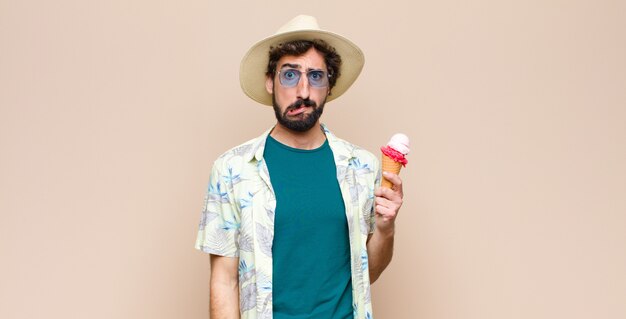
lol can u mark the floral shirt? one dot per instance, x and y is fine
(238, 219)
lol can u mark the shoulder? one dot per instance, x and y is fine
(364, 156)
(237, 155)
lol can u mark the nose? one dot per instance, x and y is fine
(303, 88)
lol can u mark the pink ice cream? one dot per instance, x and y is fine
(397, 148)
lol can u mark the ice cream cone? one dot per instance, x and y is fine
(391, 166)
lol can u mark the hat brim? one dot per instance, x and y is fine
(254, 64)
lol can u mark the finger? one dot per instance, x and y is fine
(388, 205)
(383, 191)
(388, 194)
(392, 205)
(379, 191)
(384, 202)
(386, 213)
(395, 180)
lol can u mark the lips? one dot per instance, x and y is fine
(297, 111)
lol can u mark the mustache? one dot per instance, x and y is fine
(299, 103)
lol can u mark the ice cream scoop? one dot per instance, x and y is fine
(400, 143)
(394, 156)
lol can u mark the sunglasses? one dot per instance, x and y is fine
(290, 78)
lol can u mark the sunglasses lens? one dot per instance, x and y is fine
(289, 78)
(317, 78)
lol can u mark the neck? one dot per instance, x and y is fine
(308, 140)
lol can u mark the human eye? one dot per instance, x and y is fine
(290, 74)
(316, 75)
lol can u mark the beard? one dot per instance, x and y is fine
(303, 124)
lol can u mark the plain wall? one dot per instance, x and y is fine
(112, 112)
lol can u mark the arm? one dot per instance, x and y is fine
(380, 251)
(224, 300)
(380, 243)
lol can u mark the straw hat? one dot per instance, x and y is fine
(254, 64)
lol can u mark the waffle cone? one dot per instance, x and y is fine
(390, 166)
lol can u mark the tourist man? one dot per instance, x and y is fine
(294, 220)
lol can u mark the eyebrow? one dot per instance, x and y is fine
(298, 66)
(290, 65)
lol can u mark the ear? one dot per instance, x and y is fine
(269, 85)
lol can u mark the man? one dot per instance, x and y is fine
(293, 220)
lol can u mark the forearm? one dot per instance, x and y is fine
(224, 300)
(380, 252)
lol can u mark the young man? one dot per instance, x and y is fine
(294, 220)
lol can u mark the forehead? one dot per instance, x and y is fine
(311, 59)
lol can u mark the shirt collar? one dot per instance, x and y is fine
(339, 147)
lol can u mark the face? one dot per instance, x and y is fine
(298, 108)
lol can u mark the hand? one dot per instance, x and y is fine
(388, 203)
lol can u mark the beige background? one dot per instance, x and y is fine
(111, 113)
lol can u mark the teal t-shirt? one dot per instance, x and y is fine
(311, 248)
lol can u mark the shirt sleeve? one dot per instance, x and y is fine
(219, 223)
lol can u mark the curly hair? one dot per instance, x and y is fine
(299, 47)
